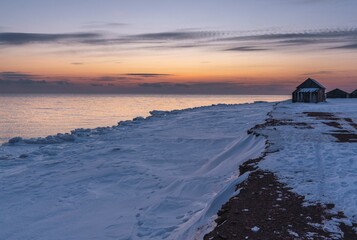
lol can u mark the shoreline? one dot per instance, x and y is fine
(41, 116)
(69, 136)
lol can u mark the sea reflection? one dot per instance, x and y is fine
(42, 115)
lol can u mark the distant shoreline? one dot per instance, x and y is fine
(42, 115)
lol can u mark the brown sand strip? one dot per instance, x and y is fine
(322, 116)
(267, 209)
(333, 124)
(345, 137)
(319, 114)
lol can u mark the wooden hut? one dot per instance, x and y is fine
(353, 94)
(337, 93)
(309, 91)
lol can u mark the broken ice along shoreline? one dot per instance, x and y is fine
(162, 177)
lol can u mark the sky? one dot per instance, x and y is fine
(176, 47)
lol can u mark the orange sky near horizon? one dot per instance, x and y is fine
(223, 47)
(183, 66)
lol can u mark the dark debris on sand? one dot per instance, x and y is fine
(343, 135)
(267, 209)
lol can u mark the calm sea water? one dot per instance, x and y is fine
(42, 115)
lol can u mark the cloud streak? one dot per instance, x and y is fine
(16, 76)
(148, 75)
(323, 39)
(103, 25)
(246, 49)
(10, 38)
(18, 82)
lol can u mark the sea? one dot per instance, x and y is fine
(30, 116)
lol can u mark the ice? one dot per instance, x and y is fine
(162, 177)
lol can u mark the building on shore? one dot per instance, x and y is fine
(310, 91)
(337, 93)
(353, 94)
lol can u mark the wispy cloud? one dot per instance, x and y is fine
(103, 25)
(321, 39)
(16, 75)
(18, 82)
(318, 73)
(164, 85)
(146, 75)
(179, 35)
(347, 47)
(27, 82)
(246, 49)
(10, 38)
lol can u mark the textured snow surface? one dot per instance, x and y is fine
(163, 177)
(310, 160)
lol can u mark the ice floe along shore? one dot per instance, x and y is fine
(162, 177)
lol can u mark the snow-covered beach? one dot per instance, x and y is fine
(154, 178)
(166, 176)
(305, 185)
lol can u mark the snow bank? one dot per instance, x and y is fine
(163, 177)
(309, 158)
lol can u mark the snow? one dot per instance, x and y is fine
(310, 160)
(162, 177)
(292, 233)
(255, 229)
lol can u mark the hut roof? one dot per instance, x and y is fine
(311, 83)
(337, 91)
(354, 93)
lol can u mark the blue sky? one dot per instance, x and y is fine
(164, 15)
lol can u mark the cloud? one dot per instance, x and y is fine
(217, 87)
(77, 63)
(22, 82)
(16, 75)
(147, 75)
(10, 38)
(27, 82)
(101, 25)
(246, 49)
(19, 82)
(118, 78)
(347, 47)
(20, 78)
(164, 84)
(318, 73)
(179, 35)
(321, 39)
